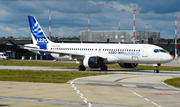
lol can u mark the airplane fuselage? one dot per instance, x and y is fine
(114, 53)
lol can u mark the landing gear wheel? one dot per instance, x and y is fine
(156, 70)
(81, 68)
(104, 68)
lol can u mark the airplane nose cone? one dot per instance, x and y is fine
(167, 58)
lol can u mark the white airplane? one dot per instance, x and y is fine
(96, 55)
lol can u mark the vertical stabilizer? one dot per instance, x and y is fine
(38, 36)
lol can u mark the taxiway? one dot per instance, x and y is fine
(125, 88)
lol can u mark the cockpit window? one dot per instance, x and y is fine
(161, 50)
(156, 50)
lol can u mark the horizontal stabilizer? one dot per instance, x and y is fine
(14, 44)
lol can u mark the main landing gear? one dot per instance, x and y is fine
(104, 67)
(81, 68)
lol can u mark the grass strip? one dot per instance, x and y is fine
(174, 81)
(43, 76)
(36, 63)
(74, 65)
(63, 76)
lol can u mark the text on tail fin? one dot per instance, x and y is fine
(37, 31)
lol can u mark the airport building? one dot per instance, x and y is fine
(19, 53)
(149, 37)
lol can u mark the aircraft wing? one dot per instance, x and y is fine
(54, 51)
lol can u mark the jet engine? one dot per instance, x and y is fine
(128, 65)
(93, 61)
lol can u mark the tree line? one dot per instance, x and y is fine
(77, 38)
(29, 38)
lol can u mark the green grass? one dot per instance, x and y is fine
(63, 76)
(174, 81)
(36, 63)
(43, 76)
(74, 65)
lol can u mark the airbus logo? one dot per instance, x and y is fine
(132, 53)
(42, 40)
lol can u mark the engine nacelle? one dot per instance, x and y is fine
(128, 65)
(92, 61)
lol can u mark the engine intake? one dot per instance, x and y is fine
(128, 65)
(93, 62)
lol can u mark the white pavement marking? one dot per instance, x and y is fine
(89, 104)
(146, 99)
(73, 85)
(85, 100)
(170, 86)
(75, 88)
(78, 91)
(80, 94)
(137, 94)
(156, 104)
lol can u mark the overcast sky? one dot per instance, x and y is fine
(71, 16)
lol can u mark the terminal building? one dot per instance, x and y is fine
(19, 53)
(142, 37)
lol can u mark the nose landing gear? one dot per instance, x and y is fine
(156, 68)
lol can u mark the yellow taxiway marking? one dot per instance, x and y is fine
(47, 98)
(8, 102)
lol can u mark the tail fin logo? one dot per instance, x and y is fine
(37, 31)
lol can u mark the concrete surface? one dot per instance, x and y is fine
(126, 88)
(115, 90)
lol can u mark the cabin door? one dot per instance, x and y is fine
(145, 52)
